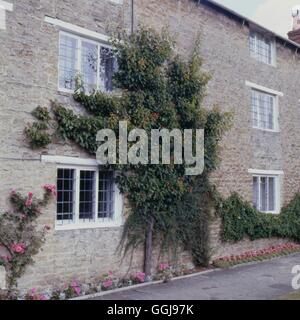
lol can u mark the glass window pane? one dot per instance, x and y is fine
(108, 66)
(256, 192)
(106, 194)
(255, 115)
(89, 65)
(263, 113)
(65, 194)
(87, 195)
(270, 112)
(263, 194)
(68, 59)
(271, 193)
(260, 48)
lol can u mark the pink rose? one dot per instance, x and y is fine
(107, 283)
(28, 202)
(50, 188)
(163, 266)
(18, 248)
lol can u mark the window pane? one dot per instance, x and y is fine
(65, 194)
(271, 193)
(87, 195)
(270, 112)
(256, 192)
(68, 57)
(260, 48)
(263, 194)
(89, 65)
(254, 98)
(263, 105)
(108, 67)
(263, 110)
(106, 195)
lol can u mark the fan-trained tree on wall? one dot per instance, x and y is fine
(156, 89)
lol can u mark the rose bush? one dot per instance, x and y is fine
(20, 237)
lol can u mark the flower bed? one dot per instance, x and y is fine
(165, 272)
(106, 282)
(257, 255)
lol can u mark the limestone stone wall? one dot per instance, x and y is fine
(29, 77)
(225, 50)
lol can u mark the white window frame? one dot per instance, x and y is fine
(255, 54)
(99, 84)
(4, 6)
(276, 94)
(277, 175)
(80, 164)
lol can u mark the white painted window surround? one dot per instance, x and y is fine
(264, 89)
(4, 6)
(83, 52)
(79, 165)
(267, 190)
(93, 60)
(117, 1)
(69, 27)
(265, 107)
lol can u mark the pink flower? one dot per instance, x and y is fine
(29, 200)
(163, 266)
(77, 290)
(74, 283)
(18, 248)
(107, 283)
(140, 277)
(50, 188)
(76, 287)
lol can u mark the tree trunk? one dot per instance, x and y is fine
(148, 250)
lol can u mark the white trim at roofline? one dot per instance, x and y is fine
(8, 6)
(266, 172)
(264, 89)
(69, 160)
(76, 29)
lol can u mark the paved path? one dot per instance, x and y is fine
(259, 281)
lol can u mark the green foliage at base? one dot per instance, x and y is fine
(240, 220)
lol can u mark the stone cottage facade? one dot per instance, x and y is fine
(43, 43)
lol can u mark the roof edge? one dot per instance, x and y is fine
(234, 15)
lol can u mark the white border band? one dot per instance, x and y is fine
(76, 29)
(266, 172)
(264, 89)
(69, 160)
(8, 6)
